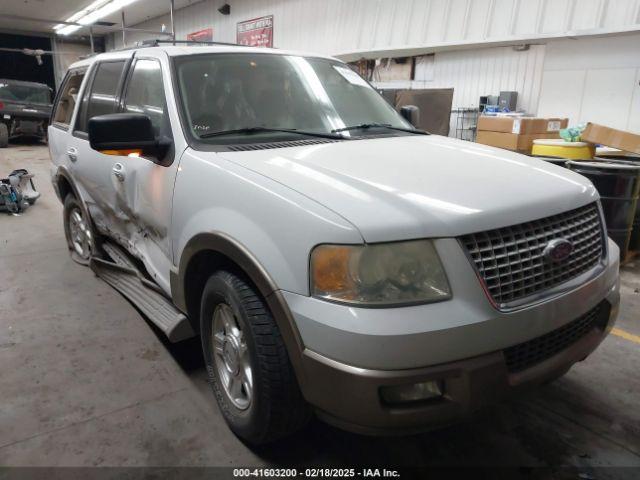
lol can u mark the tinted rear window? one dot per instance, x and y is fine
(24, 93)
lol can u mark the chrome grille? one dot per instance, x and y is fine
(527, 354)
(511, 263)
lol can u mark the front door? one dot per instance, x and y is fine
(144, 186)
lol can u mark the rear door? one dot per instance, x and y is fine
(94, 172)
(62, 117)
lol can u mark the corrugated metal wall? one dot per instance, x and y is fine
(355, 27)
(487, 71)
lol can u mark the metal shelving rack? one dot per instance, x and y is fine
(466, 123)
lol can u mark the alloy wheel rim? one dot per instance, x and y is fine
(80, 233)
(231, 357)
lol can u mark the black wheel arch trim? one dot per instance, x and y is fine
(63, 172)
(221, 243)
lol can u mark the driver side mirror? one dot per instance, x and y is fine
(411, 113)
(124, 134)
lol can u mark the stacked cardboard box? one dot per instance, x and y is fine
(599, 134)
(517, 132)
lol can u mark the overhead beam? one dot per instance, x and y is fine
(51, 22)
(91, 26)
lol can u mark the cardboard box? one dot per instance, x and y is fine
(511, 141)
(521, 125)
(627, 141)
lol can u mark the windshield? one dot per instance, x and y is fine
(233, 91)
(24, 93)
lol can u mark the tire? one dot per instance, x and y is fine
(4, 136)
(275, 407)
(81, 238)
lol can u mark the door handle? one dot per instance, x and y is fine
(118, 172)
(72, 153)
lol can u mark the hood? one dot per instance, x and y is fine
(422, 186)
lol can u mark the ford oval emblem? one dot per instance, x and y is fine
(558, 250)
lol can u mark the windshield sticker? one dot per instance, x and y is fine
(351, 76)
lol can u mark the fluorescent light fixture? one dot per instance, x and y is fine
(91, 14)
(77, 16)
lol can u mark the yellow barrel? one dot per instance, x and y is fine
(560, 149)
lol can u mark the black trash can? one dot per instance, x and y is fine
(618, 184)
(630, 159)
(561, 162)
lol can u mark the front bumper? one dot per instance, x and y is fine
(28, 128)
(343, 381)
(349, 397)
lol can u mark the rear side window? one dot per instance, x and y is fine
(67, 99)
(145, 94)
(102, 99)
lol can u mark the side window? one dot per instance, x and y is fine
(68, 97)
(102, 98)
(145, 94)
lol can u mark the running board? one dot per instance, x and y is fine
(123, 275)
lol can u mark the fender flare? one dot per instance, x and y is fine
(63, 172)
(221, 243)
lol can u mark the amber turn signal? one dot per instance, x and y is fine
(331, 268)
(123, 153)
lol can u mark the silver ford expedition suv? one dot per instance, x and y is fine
(333, 259)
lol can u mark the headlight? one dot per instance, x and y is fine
(380, 274)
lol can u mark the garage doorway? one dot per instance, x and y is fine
(18, 66)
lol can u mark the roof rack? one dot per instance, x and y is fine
(157, 42)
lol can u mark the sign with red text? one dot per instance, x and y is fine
(256, 33)
(205, 35)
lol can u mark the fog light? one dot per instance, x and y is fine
(412, 393)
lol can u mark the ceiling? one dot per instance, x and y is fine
(62, 9)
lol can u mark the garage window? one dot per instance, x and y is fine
(68, 98)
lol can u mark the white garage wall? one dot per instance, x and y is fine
(594, 79)
(585, 79)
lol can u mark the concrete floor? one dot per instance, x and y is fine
(85, 381)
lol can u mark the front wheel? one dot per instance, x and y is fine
(247, 362)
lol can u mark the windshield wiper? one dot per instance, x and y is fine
(252, 130)
(365, 126)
